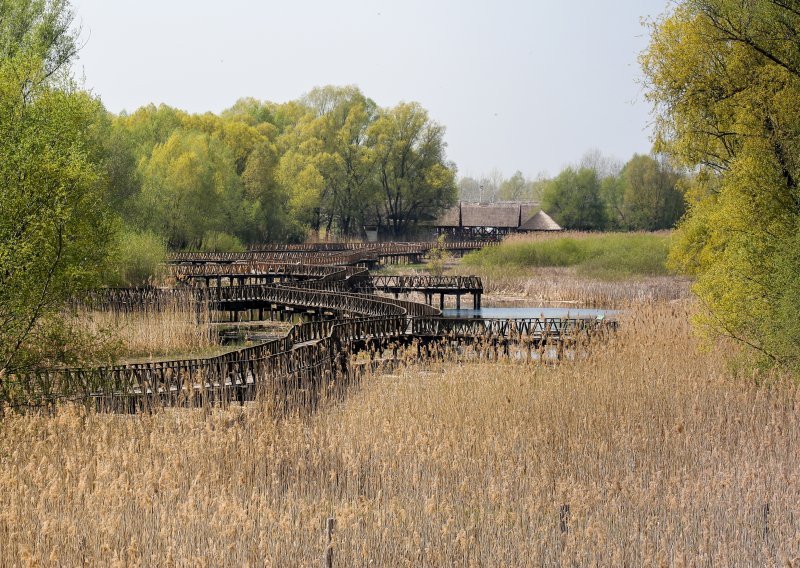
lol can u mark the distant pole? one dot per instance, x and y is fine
(480, 194)
(327, 559)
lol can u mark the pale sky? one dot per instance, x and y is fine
(519, 85)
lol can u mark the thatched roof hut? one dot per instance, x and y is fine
(498, 215)
(494, 219)
(541, 221)
(450, 218)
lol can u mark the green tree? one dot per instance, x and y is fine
(137, 258)
(724, 77)
(129, 140)
(573, 199)
(250, 111)
(55, 226)
(329, 144)
(273, 221)
(190, 187)
(612, 193)
(651, 198)
(414, 177)
(515, 188)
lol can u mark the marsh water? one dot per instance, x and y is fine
(529, 313)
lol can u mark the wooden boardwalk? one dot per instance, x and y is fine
(429, 286)
(341, 318)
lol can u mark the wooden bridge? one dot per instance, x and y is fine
(338, 318)
(429, 286)
(327, 254)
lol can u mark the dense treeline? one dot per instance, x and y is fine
(89, 198)
(331, 162)
(596, 195)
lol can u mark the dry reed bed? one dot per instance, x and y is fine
(178, 327)
(664, 456)
(557, 287)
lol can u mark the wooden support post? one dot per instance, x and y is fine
(458, 301)
(563, 516)
(441, 301)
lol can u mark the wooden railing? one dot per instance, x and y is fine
(387, 246)
(534, 328)
(293, 270)
(467, 284)
(313, 255)
(295, 369)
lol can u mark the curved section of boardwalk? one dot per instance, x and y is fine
(313, 358)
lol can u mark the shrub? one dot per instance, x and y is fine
(217, 241)
(138, 258)
(608, 256)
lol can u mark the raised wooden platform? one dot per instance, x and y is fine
(340, 321)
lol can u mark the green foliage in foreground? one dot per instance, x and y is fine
(55, 224)
(725, 83)
(609, 256)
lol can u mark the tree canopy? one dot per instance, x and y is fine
(598, 194)
(55, 225)
(330, 162)
(573, 200)
(724, 77)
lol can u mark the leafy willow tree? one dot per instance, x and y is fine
(330, 161)
(191, 178)
(328, 165)
(520, 188)
(414, 177)
(573, 199)
(55, 226)
(190, 188)
(724, 77)
(651, 198)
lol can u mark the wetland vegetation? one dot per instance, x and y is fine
(673, 441)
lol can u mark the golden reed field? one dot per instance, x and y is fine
(665, 453)
(179, 327)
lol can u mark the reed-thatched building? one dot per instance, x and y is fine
(493, 220)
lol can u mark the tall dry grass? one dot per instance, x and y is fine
(550, 286)
(664, 454)
(177, 327)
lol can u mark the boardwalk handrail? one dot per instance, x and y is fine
(309, 356)
(313, 255)
(424, 282)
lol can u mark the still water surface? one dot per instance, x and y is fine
(529, 313)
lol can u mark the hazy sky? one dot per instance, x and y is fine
(520, 85)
